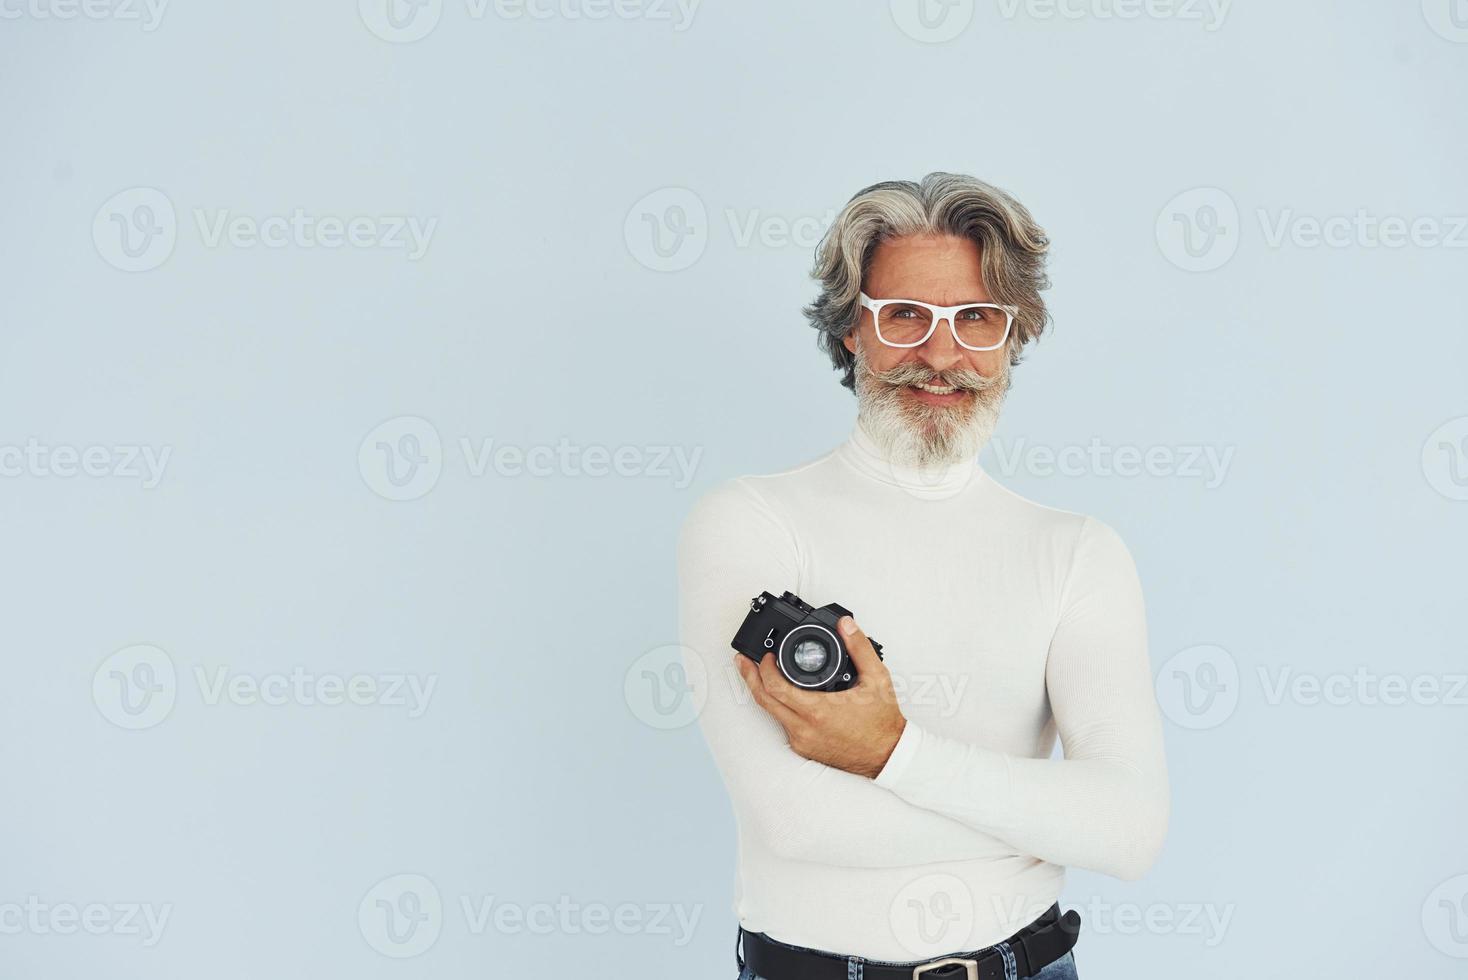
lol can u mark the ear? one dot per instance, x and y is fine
(849, 341)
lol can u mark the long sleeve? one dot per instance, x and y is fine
(1104, 806)
(733, 546)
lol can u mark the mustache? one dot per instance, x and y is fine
(913, 373)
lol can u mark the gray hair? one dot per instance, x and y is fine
(1012, 253)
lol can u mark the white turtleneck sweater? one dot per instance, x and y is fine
(1003, 623)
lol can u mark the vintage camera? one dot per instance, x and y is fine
(804, 640)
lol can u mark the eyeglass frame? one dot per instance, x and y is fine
(938, 313)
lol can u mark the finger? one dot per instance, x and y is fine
(778, 686)
(869, 666)
(754, 680)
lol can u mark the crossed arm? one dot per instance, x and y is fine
(845, 777)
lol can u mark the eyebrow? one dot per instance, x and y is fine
(913, 299)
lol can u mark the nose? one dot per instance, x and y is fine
(941, 352)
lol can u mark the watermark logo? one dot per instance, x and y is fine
(1208, 465)
(39, 460)
(1198, 688)
(300, 687)
(565, 458)
(677, 12)
(1210, 13)
(1361, 229)
(1363, 687)
(932, 21)
(135, 230)
(406, 21)
(1198, 230)
(933, 915)
(568, 917)
(36, 917)
(401, 916)
(667, 687)
(1447, 18)
(667, 230)
(1445, 917)
(1445, 459)
(135, 687)
(148, 13)
(401, 459)
(935, 695)
(400, 21)
(1205, 921)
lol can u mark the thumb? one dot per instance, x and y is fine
(868, 665)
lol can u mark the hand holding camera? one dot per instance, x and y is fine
(825, 682)
(804, 641)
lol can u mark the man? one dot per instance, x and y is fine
(917, 817)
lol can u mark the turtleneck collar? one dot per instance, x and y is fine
(928, 482)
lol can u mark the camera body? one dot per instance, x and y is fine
(806, 644)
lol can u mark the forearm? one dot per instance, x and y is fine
(1106, 814)
(1105, 805)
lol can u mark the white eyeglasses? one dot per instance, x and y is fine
(910, 322)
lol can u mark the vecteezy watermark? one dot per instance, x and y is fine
(1445, 459)
(932, 21)
(1210, 14)
(1447, 18)
(1199, 230)
(406, 21)
(938, 695)
(147, 13)
(932, 915)
(401, 916)
(120, 462)
(36, 917)
(1362, 687)
(567, 917)
(937, 21)
(1208, 464)
(1208, 921)
(403, 458)
(565, 458)
(404, 915)
(668, 229)
(1362, 229)
(137, 230)
(1198, 687)
(666, 687)
(304, 689)
(1445, 917)
(137, 687)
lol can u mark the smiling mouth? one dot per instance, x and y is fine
(935, 389)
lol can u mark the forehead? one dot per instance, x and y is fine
(939, 269)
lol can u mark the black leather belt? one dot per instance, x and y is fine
(1034, 947)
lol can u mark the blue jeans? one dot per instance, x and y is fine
(1062, 969)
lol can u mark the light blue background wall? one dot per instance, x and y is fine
(546, 151)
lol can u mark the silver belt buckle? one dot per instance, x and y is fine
(970, 967)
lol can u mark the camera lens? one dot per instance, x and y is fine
(810, 655)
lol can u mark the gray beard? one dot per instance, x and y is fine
(914, 434)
